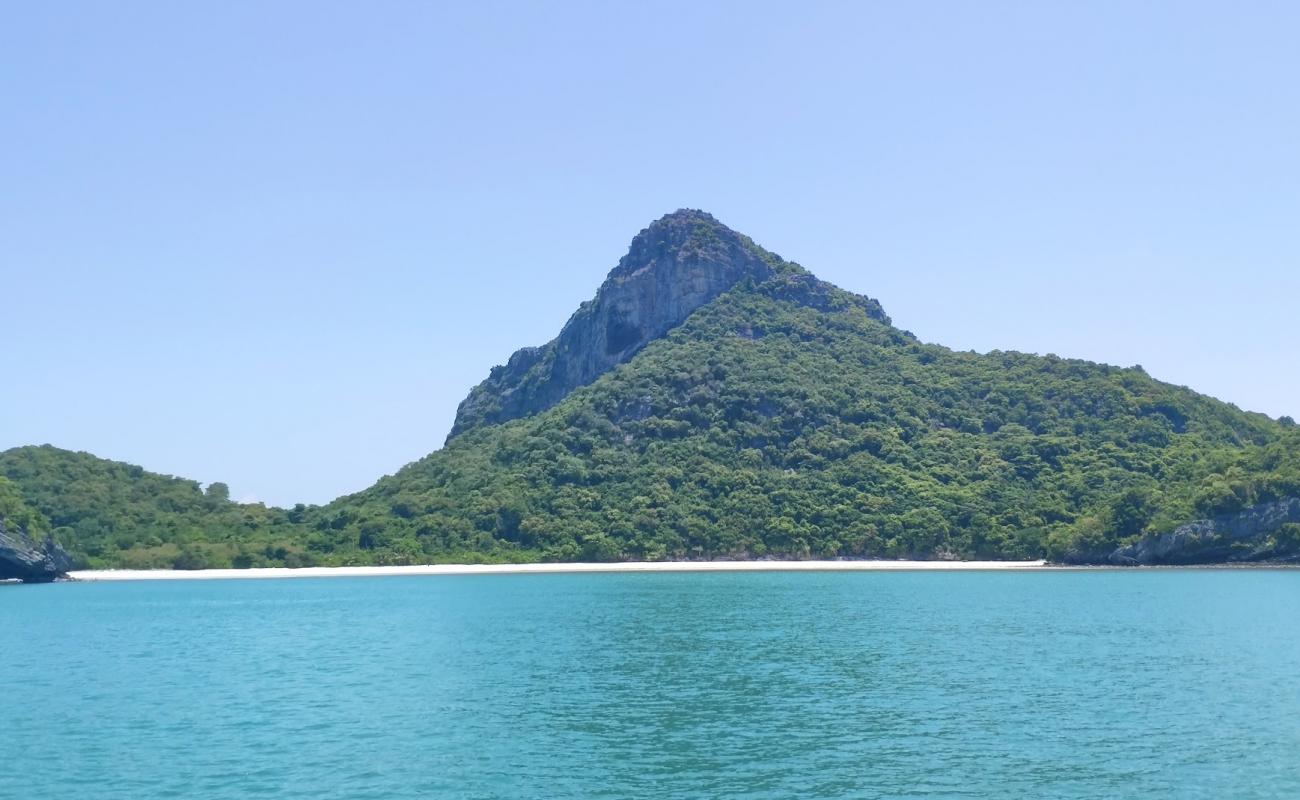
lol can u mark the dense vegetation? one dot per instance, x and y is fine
(784, 418)
(110, 514)
(16, 516)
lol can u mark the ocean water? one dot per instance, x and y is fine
(1105, 684)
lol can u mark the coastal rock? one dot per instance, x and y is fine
(29, 561)
(673, 267)
(1247, 535)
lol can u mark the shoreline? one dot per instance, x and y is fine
(256, 573)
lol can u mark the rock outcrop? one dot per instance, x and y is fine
(1265, 532)
(29, 561)
(673, 267)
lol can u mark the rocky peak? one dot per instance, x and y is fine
(677, 264)
(684, 235)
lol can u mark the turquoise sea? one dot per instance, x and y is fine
(1102, 684)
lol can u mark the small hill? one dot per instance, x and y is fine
(111, 514)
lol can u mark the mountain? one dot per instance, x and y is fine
(717, 401)
(775, 414)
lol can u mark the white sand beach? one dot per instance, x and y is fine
(510, 569)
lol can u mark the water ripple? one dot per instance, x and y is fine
(766, 685)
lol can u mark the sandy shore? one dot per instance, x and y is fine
(511, 569)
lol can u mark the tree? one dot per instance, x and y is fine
(1131, 512)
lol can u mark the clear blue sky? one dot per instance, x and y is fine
(275, 243)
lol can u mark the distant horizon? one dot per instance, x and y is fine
(275, 247)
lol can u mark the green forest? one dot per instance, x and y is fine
(786, 418)
(110, 514)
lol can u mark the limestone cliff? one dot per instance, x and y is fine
(1252, 534)
(25, 559)
(1267, 532)
(679, 263)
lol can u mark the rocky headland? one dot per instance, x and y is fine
(30, 561)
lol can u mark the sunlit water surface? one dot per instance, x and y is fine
(1166, 684)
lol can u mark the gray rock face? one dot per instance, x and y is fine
(29, 561)
(673, 267)
(1243, 536)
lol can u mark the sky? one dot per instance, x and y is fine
(275, 244)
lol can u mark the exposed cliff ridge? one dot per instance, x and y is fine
(679, 263)
(1267, 532)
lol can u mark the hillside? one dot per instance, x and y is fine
(788, 417)
(111, 514)
(716, 401)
